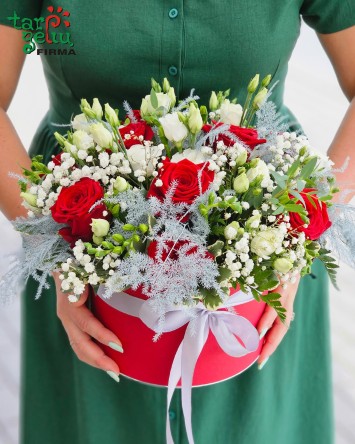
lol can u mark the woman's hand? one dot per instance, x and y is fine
(82, 327)
(271, 327)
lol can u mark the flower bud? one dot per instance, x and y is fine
(101, 135)
(231, 230)
(120, 184)
(241, 184)
(195, 120)
(29, 198)
(282, 265)
(242, 157)
(172, 97)
(166, 85)
(60, 139)
(266, 81)
(118, 238)
(253, 222)
(86, 109)
(97, 240)
(155, 85)
(253, 84)
(111, 115)
(260, 98)
(163, 101)
(143, 228)
(213, 101)
(97, 109)
(100, 227)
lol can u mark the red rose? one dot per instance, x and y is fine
(248, 136)
(135, 130)
(72, 208)
(173, 255)
(318, 216)
(186, 174)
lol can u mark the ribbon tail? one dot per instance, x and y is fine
(174, 377)
(192, 346)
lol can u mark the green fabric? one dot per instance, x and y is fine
(213, 45)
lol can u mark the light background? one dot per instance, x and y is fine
(314, 96)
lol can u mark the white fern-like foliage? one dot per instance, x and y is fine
(42, 251)
(339, 238)
(129, 111)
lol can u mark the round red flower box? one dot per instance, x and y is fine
(150, 362)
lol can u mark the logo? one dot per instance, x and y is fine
(42, 30)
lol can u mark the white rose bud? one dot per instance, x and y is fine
(241, 184)
(266, 242)
(195, 121)
(120, 184)
(100, 227)
(231, 113)
(29, 198)
(213, 104)
(111, 115)
(101, 135)
(97, 109)
(231, 230)
(282, 265)
(259, 169)
(82, 140)
(174, 130)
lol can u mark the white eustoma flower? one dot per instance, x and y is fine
(101, 135)
(82, 140)
(80, 122)
(231, 113)
(174, 130)
(144, 157)
(100, 227)
(260, 169)
(164, 101)
(266, 242)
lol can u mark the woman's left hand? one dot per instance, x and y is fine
(271, 327)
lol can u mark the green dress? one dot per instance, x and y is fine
(202, 44)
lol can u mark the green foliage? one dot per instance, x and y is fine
(330, 265)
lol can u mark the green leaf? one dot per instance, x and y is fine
(154, 99)
(216, 248)
(297, 195)
(300, 185)
(224, 273)
(293, 168)
(210, 297)
(308, 169)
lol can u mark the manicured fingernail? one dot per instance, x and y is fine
(263, 332)
(115, 346)
(113, 376)
(261, 365)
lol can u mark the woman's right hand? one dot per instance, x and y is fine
(82, 327)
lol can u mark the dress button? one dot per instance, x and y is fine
(173, 70)
(172, 414)
(173, 13)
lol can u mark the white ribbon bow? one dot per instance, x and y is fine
(225, 326)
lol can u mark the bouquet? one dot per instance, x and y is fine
(183, 202)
